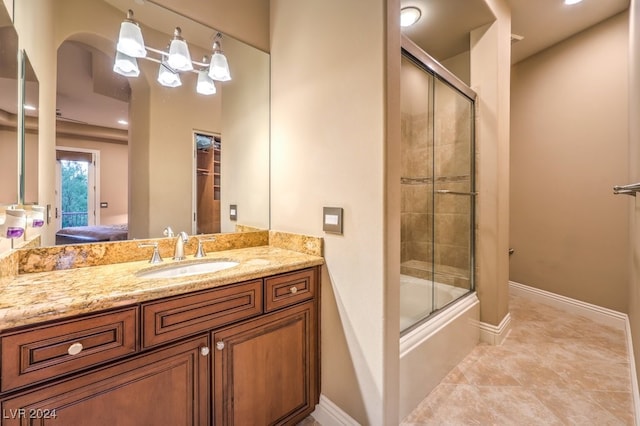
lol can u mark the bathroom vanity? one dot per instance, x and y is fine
(239, 346)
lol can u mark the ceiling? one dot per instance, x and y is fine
(443, 30)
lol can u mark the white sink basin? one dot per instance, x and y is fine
(184, 270)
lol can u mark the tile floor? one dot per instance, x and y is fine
(554, 368)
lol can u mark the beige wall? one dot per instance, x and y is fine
(8, 174)
(634, 176)
(35, 26)
(246, 20)
(490, 76)
(329, 110)
(569, 147)
(245, 135)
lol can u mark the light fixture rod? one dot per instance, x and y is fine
(166, 54)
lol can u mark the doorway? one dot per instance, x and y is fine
(206, 199)
(77, 187)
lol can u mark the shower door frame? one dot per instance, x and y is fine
(422, 59)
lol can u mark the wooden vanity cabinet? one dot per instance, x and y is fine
(241, 354)
(169, 386)
(265, 370)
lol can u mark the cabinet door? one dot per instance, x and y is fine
(266, 370)
(165, 387)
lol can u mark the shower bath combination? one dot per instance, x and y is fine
(437, 188)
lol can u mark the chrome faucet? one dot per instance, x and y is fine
(181, 239)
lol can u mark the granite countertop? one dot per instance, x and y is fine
(36, 297)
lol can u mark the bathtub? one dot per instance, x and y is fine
(431, 348)
(416, 298)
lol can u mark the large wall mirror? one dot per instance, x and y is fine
(136, 141)
(8, 109)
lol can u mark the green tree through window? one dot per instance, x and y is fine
(74, 193)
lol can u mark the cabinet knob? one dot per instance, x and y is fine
(204, 351)
(220, 345)
(75, 349)
(293, 290)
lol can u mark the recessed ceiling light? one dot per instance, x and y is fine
(123, 122)
(570, 2)
(409, 16)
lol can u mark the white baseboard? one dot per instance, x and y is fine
(329, 414)
(596, 313)
(635, 389)
(495, 334)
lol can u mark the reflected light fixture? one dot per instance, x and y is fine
(219, 67)
(123, 122)
(126, 65)
(177, 59)
(130, 41)
(29, 107)
(570, 2)
(409, 15)
(205, 85)
(167, 76)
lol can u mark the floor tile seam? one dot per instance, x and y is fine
(534, 396)
(588, 394)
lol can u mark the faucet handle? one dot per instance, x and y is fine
(200, 252)
(155, 257)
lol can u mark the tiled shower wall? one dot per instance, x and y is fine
(445, 235)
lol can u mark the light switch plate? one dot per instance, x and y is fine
(332, 220)
(233, 212)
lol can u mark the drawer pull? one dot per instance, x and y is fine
(220, 345)
(293, 290)
(75, 349)
(204, 351)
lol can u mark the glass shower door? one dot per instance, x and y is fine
(454, 190)
(437, 193)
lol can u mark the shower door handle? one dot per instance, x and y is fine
(446, 191)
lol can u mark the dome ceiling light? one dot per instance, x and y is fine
(409, 16)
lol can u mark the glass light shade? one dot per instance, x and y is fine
(126, 65)
(205, 85)
(179, 57)
(168, 77)
(409, 16)
(570, 2)
(219, 67)
(130, 40)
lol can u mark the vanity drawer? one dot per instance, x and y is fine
(288, 289)
(45, 352)
(181, 316)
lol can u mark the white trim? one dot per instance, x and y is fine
(495, 334)
(635, 389)
(596, 313)
(329, 414)
(593, 312)
(415, 337)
